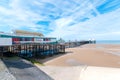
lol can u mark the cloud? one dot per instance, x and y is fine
(108, 6)
(16, 16)
(100, 27)
(69, 19)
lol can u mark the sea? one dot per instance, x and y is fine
(108, 41)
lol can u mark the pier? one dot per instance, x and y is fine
(33, 44)
(38, 50)
(78, 43)
(32, 50)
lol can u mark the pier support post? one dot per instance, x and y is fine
(1, 52)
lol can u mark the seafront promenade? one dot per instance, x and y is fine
(4, 72)
(20, 69)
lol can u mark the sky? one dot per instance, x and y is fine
(67, 19)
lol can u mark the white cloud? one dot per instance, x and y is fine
(98, 27)
(70, 19)
(18, 16)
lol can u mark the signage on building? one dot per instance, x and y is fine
(5, 41)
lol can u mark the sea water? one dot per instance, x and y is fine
(108, 41)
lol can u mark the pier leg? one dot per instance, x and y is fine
(1, 52)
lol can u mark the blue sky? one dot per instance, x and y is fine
(68, 19)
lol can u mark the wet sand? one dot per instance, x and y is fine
(102, 55)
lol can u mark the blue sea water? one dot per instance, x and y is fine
(108, 41)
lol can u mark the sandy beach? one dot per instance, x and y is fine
(100, 55)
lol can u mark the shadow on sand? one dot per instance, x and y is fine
(53, 57)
